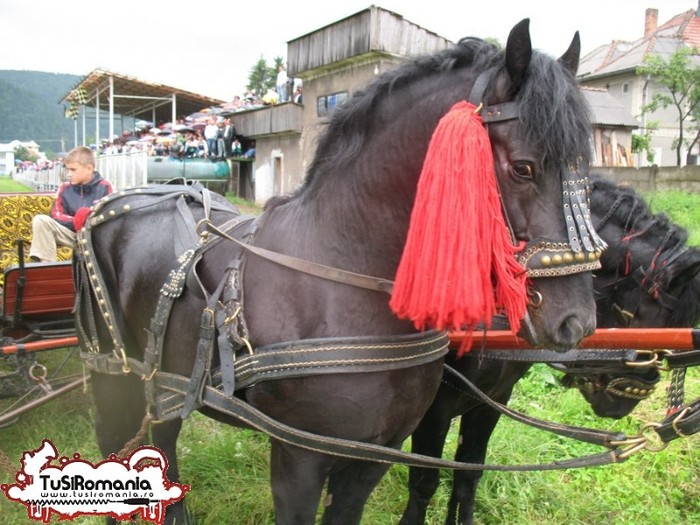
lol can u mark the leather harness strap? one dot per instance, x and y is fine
(338, 275)
(338, 355)
(174, 387)
(172, 395)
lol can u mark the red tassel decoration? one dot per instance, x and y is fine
(458, 244)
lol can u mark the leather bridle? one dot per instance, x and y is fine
(542, 257)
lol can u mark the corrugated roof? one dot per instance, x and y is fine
(682, 30)
(606, 110)
(135, 97)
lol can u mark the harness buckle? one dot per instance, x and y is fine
(150, 376)
(233, 316)
(202, 228)
(121, 354)
(645, 441)
(678, 419)
(653, 361)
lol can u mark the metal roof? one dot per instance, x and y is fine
(619, 56)
(135, 97)
(606, 110)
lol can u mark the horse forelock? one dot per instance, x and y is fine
(553, 112)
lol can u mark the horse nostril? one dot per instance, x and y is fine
(570, 332)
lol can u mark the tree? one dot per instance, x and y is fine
(262, 77)
(642, 143)
(22, 153)
(681, 78)
(695, 119)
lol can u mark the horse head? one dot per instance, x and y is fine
(649, 279)
(538, 125)
(649, 275)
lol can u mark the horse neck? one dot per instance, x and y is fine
(349, 223)
(359, 205)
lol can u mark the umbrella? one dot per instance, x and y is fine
(185, 129)
(197, 115)
(147, 138)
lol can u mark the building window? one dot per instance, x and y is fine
(327, 103)
(625, 87)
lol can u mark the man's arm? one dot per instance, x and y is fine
(59, 212)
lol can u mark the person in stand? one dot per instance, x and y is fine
(282, 83)
(229, 135)
(220, 143)
(236, 148)
(191, 145)
(250, 152)
(211, 134)
(71, 206)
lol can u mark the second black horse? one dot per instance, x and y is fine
(649, 279)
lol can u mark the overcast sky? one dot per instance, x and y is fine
(209, 46)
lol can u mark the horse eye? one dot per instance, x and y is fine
(523, 170)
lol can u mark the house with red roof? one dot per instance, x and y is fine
(613, 67)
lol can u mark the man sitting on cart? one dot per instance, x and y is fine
(71, 207)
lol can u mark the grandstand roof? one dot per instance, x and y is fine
(135, 97)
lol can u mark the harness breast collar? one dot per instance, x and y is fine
(223, 325)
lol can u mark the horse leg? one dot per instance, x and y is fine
(297, 479)
(164, 436)
(428, 439)
(120, 406)
(348, 490)
(476, 428)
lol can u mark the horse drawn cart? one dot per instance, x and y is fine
(36, 316)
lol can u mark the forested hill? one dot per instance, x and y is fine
(29, 108)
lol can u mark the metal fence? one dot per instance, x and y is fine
(123, 171)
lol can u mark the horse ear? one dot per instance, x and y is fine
(518, 53)
(570, 59)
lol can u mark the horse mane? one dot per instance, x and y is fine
(350, 119)
(553, 112)
(626, 203)
(636, 212)
(687, 310)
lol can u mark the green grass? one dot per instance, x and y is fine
(228, 467)
(8, 185)
(681, 207)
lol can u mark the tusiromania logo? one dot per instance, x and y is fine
(117, 487)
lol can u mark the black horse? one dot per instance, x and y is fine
(351, 212)
(649, 278)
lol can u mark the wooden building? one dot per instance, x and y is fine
(333, 62)
(612, 129)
